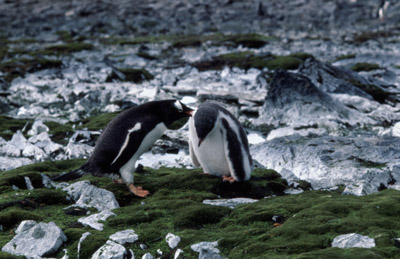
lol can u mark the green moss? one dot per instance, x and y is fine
(9, 218)
(8, 126)
(131, 75)
(59, 133)
(199, 215)
(376, 92)
(9, 256)
(3, 52)
(248, 59)
(63, 49)
(366, 36)
(98, 122)
(64, 36)
(18, 67)
(365, 67)
(346, 56)
(311, 220)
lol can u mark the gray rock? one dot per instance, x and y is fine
(28, 182)
(172, 240)
(328, 161)
(37, 128)
(230, 203)
(93, 220)
(178, 253)
(87, 195)
(110, 250)
(294, 101)
(332, 79)
(207, 250)
(148, 256)
(125, 236)
(8, 163)
(353, 240)
(35, 239)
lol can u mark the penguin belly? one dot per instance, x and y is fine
(211, 153)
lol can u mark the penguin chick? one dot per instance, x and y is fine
(218, 143)
(126, 138)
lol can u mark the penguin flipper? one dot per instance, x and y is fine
(234, 154)
(193, 157)
(72, 175)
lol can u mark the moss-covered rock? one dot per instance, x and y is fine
(364, 67)
(345, 56)
(376, 92)
(248, 59)
(63, 49)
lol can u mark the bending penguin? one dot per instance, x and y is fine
(218, 143)
(126, 138)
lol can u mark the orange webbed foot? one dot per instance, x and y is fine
(138, 191)
(228, 179)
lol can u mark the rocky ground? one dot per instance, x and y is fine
(315, 84)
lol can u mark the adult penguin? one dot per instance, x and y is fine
(126, 138)
(218, 143)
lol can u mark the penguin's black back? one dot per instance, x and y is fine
(109, 144)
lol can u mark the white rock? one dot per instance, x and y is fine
(147, 256)
(93, 220)
(10, 150)
(230, 203)
(87, 195)
(83, 237)
(172, 240)
(110, 250)
(178, 252)
(396, 130)
(330, 161)
(33, 151)
(35, 240)
(207, 250)
(18, 140)
(125, 236)
(353, 240)
(28, 182)
(37, 128)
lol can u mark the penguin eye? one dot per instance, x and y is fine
(178, 106)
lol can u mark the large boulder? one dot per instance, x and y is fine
(366, 162)
(35, 239)
(333, 79)
(293, 100)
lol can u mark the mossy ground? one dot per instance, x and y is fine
(181, 41)
(365, 67)
(310, 220)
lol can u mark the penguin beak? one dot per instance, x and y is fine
(189, 112)
(200, 141)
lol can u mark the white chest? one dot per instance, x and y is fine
(211, 153)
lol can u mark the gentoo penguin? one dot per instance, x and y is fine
(218, 143)
(126, 138)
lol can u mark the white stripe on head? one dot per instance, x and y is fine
(178, 105)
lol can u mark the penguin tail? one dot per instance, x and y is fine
(72, 175)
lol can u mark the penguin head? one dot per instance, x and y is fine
(176, 114)
(205, 120)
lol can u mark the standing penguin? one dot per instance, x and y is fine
(126, 138)
(218, 143)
